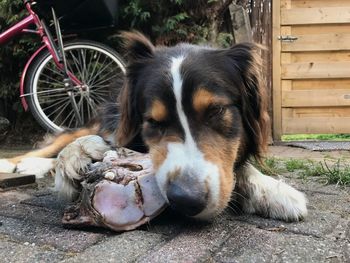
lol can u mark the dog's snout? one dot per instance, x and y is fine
(186, 200)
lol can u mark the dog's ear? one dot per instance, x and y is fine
(139, 50)
(137, 46)
(246, 58)
(130, 120)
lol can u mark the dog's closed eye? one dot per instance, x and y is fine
(154, 123)
(215, 111)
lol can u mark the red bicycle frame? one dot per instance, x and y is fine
(22, 27)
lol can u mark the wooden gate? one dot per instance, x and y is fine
(311, 66)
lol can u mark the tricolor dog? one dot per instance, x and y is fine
(202, 115)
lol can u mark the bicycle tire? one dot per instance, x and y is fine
(36, 70)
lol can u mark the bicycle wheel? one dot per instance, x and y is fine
(97, 66)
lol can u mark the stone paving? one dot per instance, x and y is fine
(31, 231)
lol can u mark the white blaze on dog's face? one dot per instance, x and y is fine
(188, 104)
(196, 173)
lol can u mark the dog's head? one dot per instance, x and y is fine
(200, 111)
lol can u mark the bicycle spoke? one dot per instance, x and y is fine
(67, 117)
(105, 80)
(92, 75)
(61, 111)
(41, 92)
(71, 120)
(89, 64)
(77, 66)
(98, 99)
(52, 98)
(109, 75)
(53, 70)
(81, 64)
(52, 80)
(83, 52)
(57, 109)
(101, 70)
(52, 101)
(50, 106)
(98, 72)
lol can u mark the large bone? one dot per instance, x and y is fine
(119, 193)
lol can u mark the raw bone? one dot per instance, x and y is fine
(119, 193)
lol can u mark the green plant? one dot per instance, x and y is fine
(321, 137)
(269, 166)
(329, 173)
(295, 164)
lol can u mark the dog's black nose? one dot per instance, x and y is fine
(186, 200)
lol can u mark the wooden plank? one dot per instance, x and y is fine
(336, 41)
(8, 180)
(240, 23)
(331, 56)
(276, 71)
(321, 15)
(320, 84)
(318, 3)
(317, 29)
(316, 112)
(321, 70)
(316, 125)
(315, 98)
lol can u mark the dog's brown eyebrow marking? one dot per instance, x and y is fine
(158, 111)
(202, 99)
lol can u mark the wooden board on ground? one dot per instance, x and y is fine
(8, 180)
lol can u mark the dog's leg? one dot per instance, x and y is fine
(73, 160)
(36, 162)
(266, 196)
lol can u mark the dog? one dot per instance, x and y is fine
(201, 113)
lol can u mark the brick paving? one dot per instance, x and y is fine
(31, 231)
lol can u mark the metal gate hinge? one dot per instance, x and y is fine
(287, 38)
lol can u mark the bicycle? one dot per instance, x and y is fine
(64, 83)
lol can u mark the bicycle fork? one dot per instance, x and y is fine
(68, 77)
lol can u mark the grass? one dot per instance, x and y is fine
(270, 166)
(295, 164)
(328, 172)
(321, 137)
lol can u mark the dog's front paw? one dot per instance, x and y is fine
(280, 201)
(6, 166)
(272, 198)
(35, 165)
(72, 161)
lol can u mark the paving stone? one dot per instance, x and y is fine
(31, 213)
(254, 245)
(46, 234)
(125, 247)
(318, 224)
(310, 250)
(196, 242)
(14, 252)
(247, 244)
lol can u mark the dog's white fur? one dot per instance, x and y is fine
(35, 165)
(31, 165)
(6, 166)
(187, 156)
(270, 197)
(73, 160)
